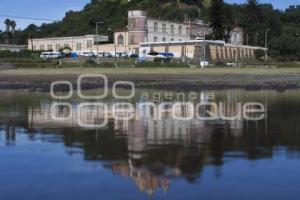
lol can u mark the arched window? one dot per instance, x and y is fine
(155, 27)
(172, 29)
(132, 39)
(172, 39)
(164, 39)
(120, 41)
(164, 28)
(180, 30)
(155, 39)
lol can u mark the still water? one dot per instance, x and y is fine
(145, 158)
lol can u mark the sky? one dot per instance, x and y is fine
(56, 9)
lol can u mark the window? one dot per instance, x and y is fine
(155, 39)
(41, 47)
(172, 29)
(234, 37)
(57, 47)
(237, 37)
(132, 23)
(89, 44)
(164, 39)
(120, 41)
(49, 47)
(180, 30)
(155, 27)
(132, 39)
(164, 28)
(188, 31)
(78, 46)
(172, 39)
(34, 47)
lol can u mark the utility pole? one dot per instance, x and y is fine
(97, 35)
(256, 35)
(266, 43)
(116, 65)
(31, 41)
(204, 49)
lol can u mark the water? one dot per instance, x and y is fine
(143, 158)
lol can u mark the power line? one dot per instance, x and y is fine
(28, 18)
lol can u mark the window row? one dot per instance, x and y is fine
(78, 47)
(156, 39)
(170, 29)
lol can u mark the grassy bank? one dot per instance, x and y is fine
(22, 63)
(152, 71)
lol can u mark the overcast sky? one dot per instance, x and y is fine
(55, 9)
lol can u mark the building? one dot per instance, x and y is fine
(186, 40)
(12, 47)
(236, 36)
(201, 50)
(141, 28)
(76, 43)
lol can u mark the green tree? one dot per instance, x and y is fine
(217, 19)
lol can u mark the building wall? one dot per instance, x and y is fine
(144, 29)
(160, 31)
(12, 47)
(137, 27)
(215, 51)
(78, 43)
(236, 36)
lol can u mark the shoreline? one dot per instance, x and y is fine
(159, 78)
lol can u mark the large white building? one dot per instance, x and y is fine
(76, 43)
(143, 34)
(144, 29)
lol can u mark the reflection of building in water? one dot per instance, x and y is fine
(145, 180)
(11, 119)
(154, 150)
(10, 134)
(156, 124)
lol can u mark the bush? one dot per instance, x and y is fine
(259, 54)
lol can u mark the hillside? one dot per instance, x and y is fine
(254, 17)
(114, 15)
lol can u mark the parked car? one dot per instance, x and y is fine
(87, 54)
(50, 55)
(104, 54)
(121, 54)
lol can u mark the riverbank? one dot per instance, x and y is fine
(158, 78)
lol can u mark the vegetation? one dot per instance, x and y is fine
(257, 19)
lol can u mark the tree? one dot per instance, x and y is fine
(217, 19)
(253, 11)
(7, 24)
(13, 25)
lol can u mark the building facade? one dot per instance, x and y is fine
(201, 50)
(141, 28)
(76, 43)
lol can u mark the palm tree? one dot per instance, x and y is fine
(13, 26)
(253, 11)
(206, 3)
(253, 18)
(7, 24)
